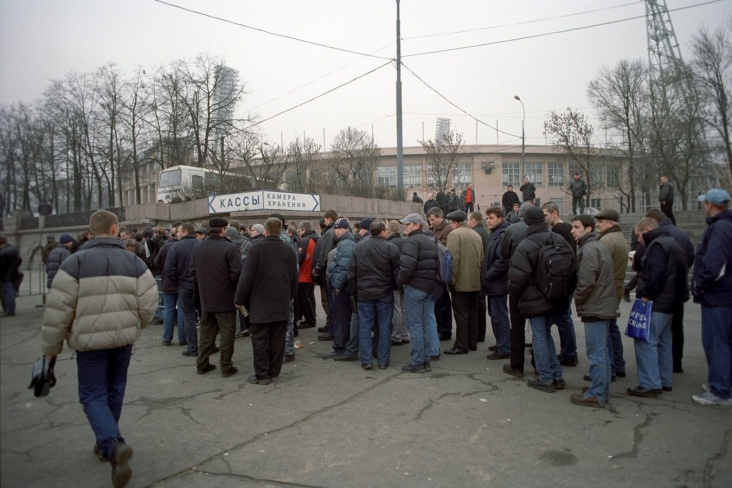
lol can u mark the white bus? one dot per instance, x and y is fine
(180, 183)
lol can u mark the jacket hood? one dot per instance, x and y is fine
(104, 241)
(724, 215)
(649, 236)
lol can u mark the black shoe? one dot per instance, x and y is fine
(427, 366)
(537, 384)
(620, 375)
(190, 354)
(121, 472)
(626, 295)
(184, 343)
(288, 359)
(445, 337)
(667, 388)
(492, 348)
(415, 368)
(639, 391)
(167, 343)
(513, 372)
(678, 369)
(325, 337)
(231, 372)
(435, 358)
(395, 343)
(455, 350)
(383, 365)
(243, 333)
(305, 325)
(498, 355)
(472, 348)
(256, 381)
(323, 329)
(99, 454)
(367, 366)
(206, 369)
(343, 357)
(568, 362)
(157, 322)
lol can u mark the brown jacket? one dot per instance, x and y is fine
(615, 242)
(466, 248)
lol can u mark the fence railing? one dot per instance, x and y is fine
(33, 281)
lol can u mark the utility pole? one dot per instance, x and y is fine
(400, 145)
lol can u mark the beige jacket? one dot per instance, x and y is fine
(466, 248)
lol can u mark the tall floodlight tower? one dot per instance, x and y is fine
(664, 55)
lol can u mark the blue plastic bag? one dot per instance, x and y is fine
(639, 323)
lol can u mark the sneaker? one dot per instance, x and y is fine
(513, 372)
(709, 398)
(537, 384)
(121, 472)
(498, 355)
(579, 399)
(705, 387)
(415, 368)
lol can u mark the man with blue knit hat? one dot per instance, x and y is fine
(711, 286)
(57, 256)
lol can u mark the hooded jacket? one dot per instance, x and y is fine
(595, 296)
(101, 298)
(712, 280)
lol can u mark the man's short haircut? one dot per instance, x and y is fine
(331, 214)
(585, 220)
(395, 227)
(235, 224)
(101, 222)
(550, 207)
(646, 222)
(273, 226)
(305, 225)
(131, 243)
(656, 215)
(576, 173)
(477, 216)
(436, 211)
(510, 186)
(321, 223)
(377, 227)
(187, 227)
(497, 211)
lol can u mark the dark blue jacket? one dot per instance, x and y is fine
(681, 238)
(664, 271)
(495, 266)
(177, 265)
(712, 280)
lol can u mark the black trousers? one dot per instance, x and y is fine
(518, 334)
(268, 348)
(482, 320)
(443, 313)
(324, 303)
(465, 308)
(668, 210)
(677, 335)
(341, 319)
(305, 303)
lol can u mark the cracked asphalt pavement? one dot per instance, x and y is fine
(330, 424)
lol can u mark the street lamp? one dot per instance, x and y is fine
(523, 137)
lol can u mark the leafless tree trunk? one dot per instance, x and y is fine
(442, 159)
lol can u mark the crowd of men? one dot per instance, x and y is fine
(389, 283)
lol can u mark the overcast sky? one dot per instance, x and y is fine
(42, 40)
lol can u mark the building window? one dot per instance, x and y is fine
(413, 175)
(462, 174)
(535, 173)
(613, 176)
(510, 174)
(555, 173)
(386, 176)
(596, 178)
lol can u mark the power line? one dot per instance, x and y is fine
(239, 24)
(451, 103)
(317, 96)
(563, 31)
(521, 23)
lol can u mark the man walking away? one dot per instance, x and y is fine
(109, 296)
(267, 284)
(712, 288)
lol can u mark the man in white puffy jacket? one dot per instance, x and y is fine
(118, 297)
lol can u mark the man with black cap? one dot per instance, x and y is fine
(523, 287)
(466, 248)
(215, 267)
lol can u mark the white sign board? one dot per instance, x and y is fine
(303, 202)
(264, 200)
(237, 202)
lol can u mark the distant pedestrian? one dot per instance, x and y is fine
(430, 203)
(666, 198)
(509, 200)
(469, 195)
(9, 264)
(528, 191)
(578, 189)
(57, 257)
(416, 199)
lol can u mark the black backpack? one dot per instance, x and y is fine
(556, 270)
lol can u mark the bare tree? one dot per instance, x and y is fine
(620, 98)
(109, 88)
(355, 157)
(712, 66)
(305, 175)
(571, 133)
(442, 159)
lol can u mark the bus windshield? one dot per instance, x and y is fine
(170, 178)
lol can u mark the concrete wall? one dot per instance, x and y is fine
(30, 241)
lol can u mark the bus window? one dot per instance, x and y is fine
(197, 181)
(212, 178)
(170, 178)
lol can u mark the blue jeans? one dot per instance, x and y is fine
(161, 308)
(171, 300)
(375, 313)
(188, 307)
(420, 317)
(567, 337)
(653, 358)
(596, 342)
(8, 290)
(102, 377)
(545, 354)
(615, 348)
(717, 342)
(498, 310)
